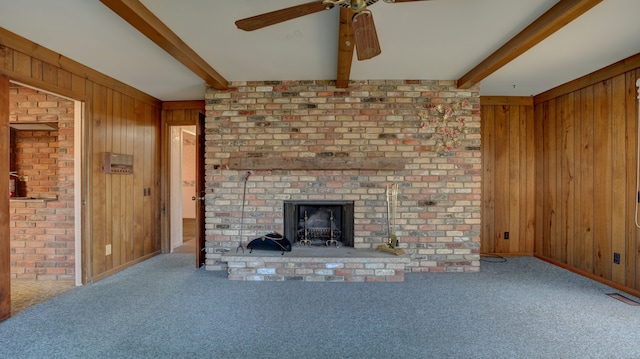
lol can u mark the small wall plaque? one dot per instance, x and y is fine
(118, 163)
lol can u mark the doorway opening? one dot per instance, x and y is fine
(183, 188)
(45, 227)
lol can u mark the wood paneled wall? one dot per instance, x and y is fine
(508, 191)
(123, 211)
(586, 153)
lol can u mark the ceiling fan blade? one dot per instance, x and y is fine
(365, 35)
(278, 16)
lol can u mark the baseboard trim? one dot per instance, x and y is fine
(592, 276)
(123, 267)
(507, 254)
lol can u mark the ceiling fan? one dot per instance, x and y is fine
(360, 21)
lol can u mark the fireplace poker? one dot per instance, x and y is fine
(244, 194)
(388, 213)
(393, 239)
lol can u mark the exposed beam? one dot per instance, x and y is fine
(345, 48)
(551, 21)
(136, 14)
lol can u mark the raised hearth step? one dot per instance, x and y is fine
(316, 264)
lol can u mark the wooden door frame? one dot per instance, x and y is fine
(176, 113)
(200, 188)
(82, 260)
(5, 249)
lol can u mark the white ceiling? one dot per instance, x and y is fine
(434, 40)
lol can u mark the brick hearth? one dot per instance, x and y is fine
(316, 264)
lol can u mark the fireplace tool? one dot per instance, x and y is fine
(392, 208)
(244, 194)
(332, 235)
(305, 239)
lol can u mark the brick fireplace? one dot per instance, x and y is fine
(308, 142)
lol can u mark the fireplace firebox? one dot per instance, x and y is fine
(320, 223)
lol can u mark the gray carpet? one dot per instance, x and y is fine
(164, 308)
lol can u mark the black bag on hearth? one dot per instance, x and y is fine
(270, 242)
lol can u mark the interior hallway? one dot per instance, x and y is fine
(188, 236)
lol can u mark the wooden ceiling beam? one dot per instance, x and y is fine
(345, 48)
(551, 21)
(136, 14)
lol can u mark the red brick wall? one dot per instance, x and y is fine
(439, 202)
(42, 232)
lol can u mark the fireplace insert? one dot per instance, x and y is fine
(320, 223)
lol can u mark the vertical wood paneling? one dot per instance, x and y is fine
(36, 69)
(618, 174)
(573, 247)
(550, 180)
(129, 127)
(97, 178)
(515, 175)
(508, 177)
(502, 173)
(487, 244)
(527, 242)
(594, 202)
(117, 203)
(64, 79)
(539, 116)
(157, 205)
(138, 183)
(130, 209)
(6, 59)
(50, 74)
(602, 179)
(148, 152)
(110, 208)
(587, 179)
(567, 168)
(22, 63)
(631, 252)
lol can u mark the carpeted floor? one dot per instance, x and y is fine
(164, 308)
(25, 293)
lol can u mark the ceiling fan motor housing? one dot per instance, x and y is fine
(356, 6)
